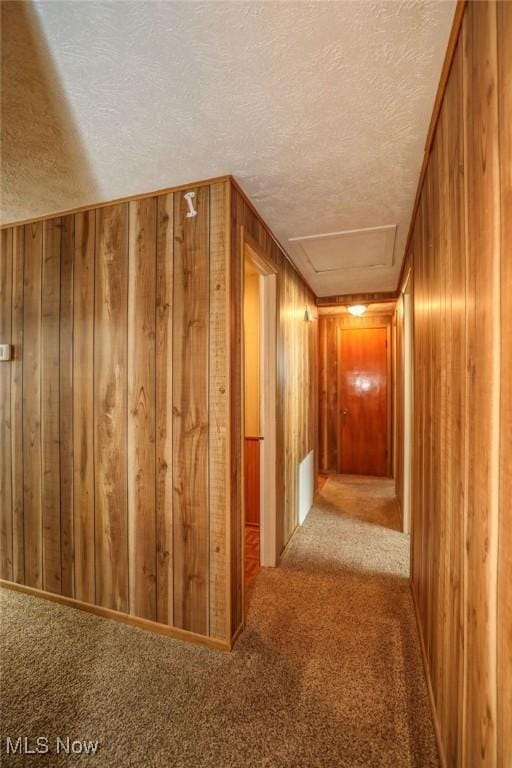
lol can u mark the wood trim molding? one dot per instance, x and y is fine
(125, 618)
(445, 72)
(263, 264)
(436, 111)
(356, 298)
(117, 201)
(236, 635)
(430, 691)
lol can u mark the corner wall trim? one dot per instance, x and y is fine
(435, 720)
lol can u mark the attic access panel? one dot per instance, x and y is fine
(349, 249)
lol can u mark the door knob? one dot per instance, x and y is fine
(344, 412)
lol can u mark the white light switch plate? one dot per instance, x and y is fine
(5, 352)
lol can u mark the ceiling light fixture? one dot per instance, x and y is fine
(357, 309)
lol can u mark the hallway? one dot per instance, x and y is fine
(327, 673)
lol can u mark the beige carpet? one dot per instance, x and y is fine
(328, 672)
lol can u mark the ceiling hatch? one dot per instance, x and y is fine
(349, 249)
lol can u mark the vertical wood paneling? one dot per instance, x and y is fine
(66, 403)
(83, 406)
(18, 553)
(110, 407)
(504, 640)
(238, 219)
(455, 512)
(190, 414)
(124, 397)
(481, 125)
(218, 454)
(6, 520)
(399, 394)
(141, 409)
(163, 501)
(33, 523)
(322, 397)
(331, 426)
(460, 254)
(91, 401)
(50, 405)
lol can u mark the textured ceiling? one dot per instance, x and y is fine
(320, 109)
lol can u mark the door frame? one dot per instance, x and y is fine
(367, 323)
(268, 403)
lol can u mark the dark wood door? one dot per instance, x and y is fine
(363, 401)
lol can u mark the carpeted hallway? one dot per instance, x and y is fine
(327, 673)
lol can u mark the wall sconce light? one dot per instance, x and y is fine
(357, 310)
(308, 315)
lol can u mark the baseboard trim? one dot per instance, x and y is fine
(236, 635)
(437, 730)
(288, 544)
(125, 618)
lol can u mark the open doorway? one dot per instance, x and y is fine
(356, 390)
(260, 383)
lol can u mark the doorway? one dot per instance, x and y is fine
(364, 396)
(259, 387)
(355, 391)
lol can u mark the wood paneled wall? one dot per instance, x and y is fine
(461, 253)
(120, 414)
(329, 327)
(399, 400)
(296, 381)
(114, 410)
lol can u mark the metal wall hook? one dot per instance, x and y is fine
(189, 197)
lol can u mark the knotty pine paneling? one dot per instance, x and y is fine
(31, 405)
(461, 564)
(14, 452)
(66, 404)
(398, 395)
(121, 485)
(163, 395)
(6, 490)
(504, 595)
(50, 405)
(219, 415)
(115, 409)
(111, 407)
(142, 407)
(296, 377)
(191, 413)
(83, 407)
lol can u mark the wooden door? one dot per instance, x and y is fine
(363, 401)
